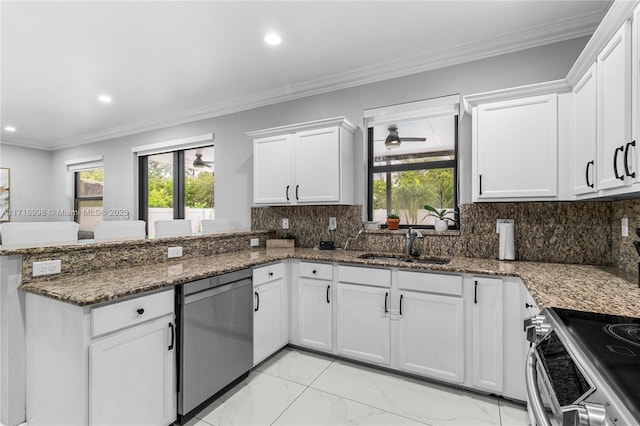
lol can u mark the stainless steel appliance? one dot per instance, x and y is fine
(215, 338)
(583, 368)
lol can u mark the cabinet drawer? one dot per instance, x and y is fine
(367, 276)
(430, 283)
(320, 271)
(265, 274)
(130, 312)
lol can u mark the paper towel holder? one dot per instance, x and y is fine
(506, 249)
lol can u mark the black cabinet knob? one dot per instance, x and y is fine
(314, 272)
(270, 274)
(140, 311)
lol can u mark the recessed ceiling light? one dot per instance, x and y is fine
(10, 129)
(273, 39)
(105, 99)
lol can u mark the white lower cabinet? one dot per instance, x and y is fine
(315, 306)
(106, 365)
(363, 323)
(487, 334)
(131, 377)
(270, 311)
(431, 335)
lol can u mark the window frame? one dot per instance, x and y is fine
(179, 182)
(77, 199)
(424, 165)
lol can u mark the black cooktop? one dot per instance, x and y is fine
(613, 344)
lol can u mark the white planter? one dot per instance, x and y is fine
(441, 225)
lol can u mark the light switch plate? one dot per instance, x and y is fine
(332, 223)
(285, 223)
(47, 267)
(625, 226)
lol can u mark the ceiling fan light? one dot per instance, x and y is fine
(392, 140)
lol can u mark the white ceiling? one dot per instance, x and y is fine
(170, 62)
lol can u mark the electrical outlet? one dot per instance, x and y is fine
(254, 242)
(332, 223)
(285, 223)
(48, 267)
(174, 252)
(625, 226)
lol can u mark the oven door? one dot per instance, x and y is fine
(556, 385)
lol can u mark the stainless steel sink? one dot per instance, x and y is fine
(404, 259)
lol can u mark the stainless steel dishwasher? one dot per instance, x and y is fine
(215, 337)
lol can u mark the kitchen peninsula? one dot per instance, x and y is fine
(125, 270)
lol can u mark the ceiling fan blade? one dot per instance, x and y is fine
(403, 139)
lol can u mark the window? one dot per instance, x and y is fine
(420, 170)
(88, 204)
(177, 185)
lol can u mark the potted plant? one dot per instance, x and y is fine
(442, 221)
(393, 221)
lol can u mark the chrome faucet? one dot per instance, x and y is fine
(410, 237)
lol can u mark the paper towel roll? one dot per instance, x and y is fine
(507, 249)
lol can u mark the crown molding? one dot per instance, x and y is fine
(309, 125)
(480, 49)
(619, 12)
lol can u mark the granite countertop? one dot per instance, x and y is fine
(580, 287)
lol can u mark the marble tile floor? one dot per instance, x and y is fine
(300, 388)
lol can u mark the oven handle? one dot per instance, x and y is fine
(533, 392)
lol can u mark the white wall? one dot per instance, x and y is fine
(30, 179)
(234, 149)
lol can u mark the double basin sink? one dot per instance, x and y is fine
(405, 259)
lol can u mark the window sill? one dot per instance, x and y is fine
(425, 232)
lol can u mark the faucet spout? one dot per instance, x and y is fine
(410, 237)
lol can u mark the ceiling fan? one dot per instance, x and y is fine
(200, 163)
(393, 139)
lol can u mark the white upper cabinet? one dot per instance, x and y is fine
(614, 111)
(584, 174)
(271, 173)
(306, 163)
(515, 149)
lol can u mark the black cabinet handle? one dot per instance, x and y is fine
(480, 183)
(140, 311)
(475, 293)
(297, 187)
(173, 336)
(328, 288)
(386, 296)
(626, 159)
(586, 174)
(615, 163)
(257, 301)
(401, 304)
(287, 192)
(270, 274)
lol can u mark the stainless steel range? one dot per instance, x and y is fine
(583, 368)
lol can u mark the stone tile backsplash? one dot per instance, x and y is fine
(562, 232)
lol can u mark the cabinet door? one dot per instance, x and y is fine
(487, 335)
(614, 110)
(516, 148)
(131, 376)
(316, 165)
(584, 134)
(272, 170)
(314, 314)
(363, 325)
(269, 319)
(431, 332)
